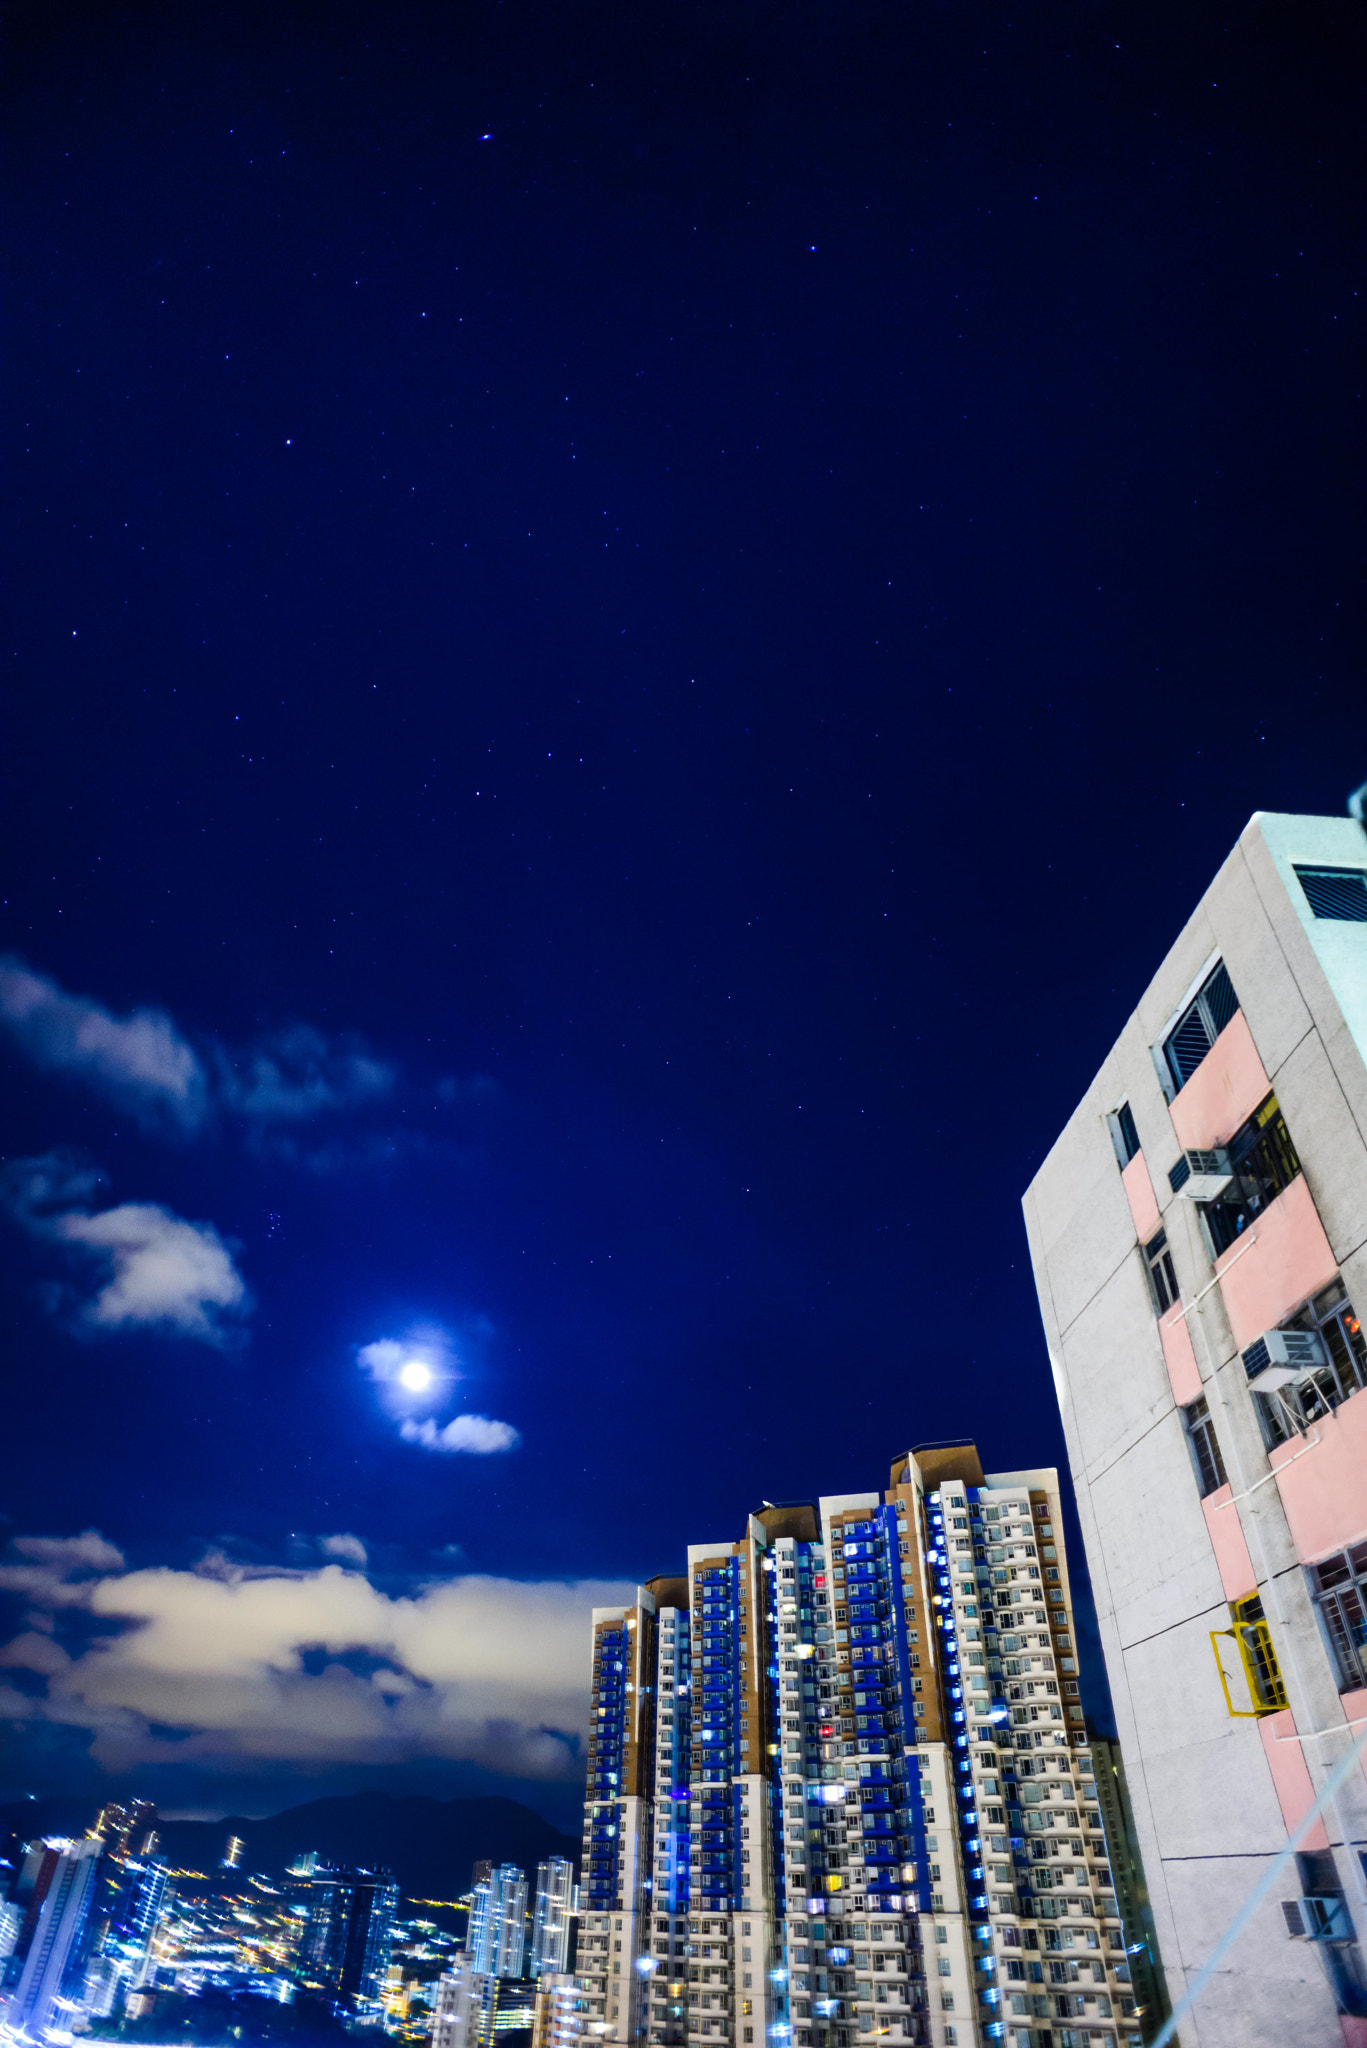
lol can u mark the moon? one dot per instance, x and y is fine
(415, 1375)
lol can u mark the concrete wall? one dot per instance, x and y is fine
(1211, 1794)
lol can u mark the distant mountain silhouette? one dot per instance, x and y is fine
(429, 1844)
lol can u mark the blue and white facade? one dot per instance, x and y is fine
(870, 1814)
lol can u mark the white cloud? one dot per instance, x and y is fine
(384, 1359)
(59, 1573)
(164, 1270)
(144, 1063)
(349, 1548)
(141, 1062)
(160, 1270)
(89, 1551)
(466, 1433)
(476, 1668)
(427, 1343)
(34, 1652)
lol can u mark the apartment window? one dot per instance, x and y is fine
(1124, 1136)
(1204, 1447)
(1339, 1590)
(1291, 1409)
(1263, 1162)
(1336, 892)
(1200, 1024)
(1162, 1277)
(1254, 1638)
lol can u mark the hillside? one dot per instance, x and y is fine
(429, 1844)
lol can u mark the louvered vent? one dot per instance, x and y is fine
(1336, 892)
(1188, 1045)
(1196, 1031)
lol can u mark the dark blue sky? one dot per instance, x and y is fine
(688, 598)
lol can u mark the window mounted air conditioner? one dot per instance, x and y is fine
(1322, 1916)
(1280, 1358)
(1201, 1176)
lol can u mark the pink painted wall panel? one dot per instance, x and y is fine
(1223, 1092)
(1290, 1260)
(1182, 1371)
(1237, 1575)
(1140, 1195)
(1290, 1777)
(1324, 1490)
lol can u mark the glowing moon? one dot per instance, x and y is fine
(415, 1375)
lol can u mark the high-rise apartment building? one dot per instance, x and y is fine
(552, 1916)
(127, 1828)
(345, 1949)
(1199, 1237)
(466, 2007)
(840, 1787)
(497, 1936)
(54, 1968)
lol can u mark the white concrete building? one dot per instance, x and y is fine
(1199, 1238)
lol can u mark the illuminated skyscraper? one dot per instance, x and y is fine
(840, 1788)
(551, 1916)
(54, 1969)
(345, 1949)
(466, 2006)
(498, 1922)
(124, 1827)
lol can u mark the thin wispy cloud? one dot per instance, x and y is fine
(151, 1268)
(278, 1091)
(298, 1075)
(223, 1665)
(140, 1062)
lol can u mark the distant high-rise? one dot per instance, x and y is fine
(124, 1827)
(345, 1949)
(36, 1872)
(482, 1872)
(558, 2014)
(498, 1922)
(551, 1916)
(55, 1965)
(840, 1788)
(466, 2005)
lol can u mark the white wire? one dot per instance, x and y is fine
(1260, 1891)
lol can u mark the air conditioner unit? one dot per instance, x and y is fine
(1201, 1176)
(1279, 1358)
(1321, 1916)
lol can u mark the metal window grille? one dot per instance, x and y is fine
(1336, 892)
(1162, 1275)
(1205, 1447)
(1291, 1410)
(1339, 1589)
(1196, 1031)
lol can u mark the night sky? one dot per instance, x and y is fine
(629, 631)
